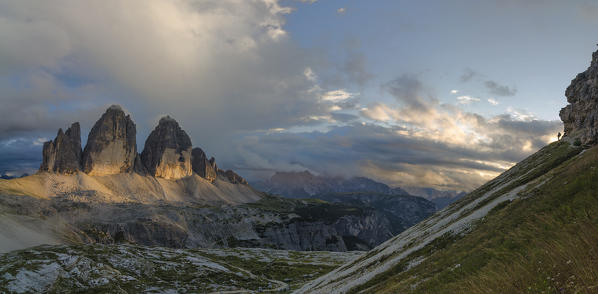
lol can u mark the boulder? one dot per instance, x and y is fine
(580, 117)
(167, 151)
(111, 146)
(63, 155)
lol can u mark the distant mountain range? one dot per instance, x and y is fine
(307, 185)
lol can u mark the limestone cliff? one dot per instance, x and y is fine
(580, 117)
(202, 166)
(111, 146)
(64, 153)
(167, 151)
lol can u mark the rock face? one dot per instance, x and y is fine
(111, 146)
(112, 149)
(63, 155)
(234, 178)
(580, 117)
(167, 151)
(202, 166)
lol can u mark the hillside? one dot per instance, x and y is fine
(533, 229)
(516, 230)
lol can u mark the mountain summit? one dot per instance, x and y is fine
(111, 145)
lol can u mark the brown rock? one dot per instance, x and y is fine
(63, 155)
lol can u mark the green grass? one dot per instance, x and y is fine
(545, 242)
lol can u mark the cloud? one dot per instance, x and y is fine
(493, 101)
(341, 10)
(310, 75)
(203, 62)
(492, 86)
(454, 91)
(418, 142)
(337, 95)
(408, 90)
(468, 75)
(398, 155)
(467, 100)
(588, 11)
(500, 90)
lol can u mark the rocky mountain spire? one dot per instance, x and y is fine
(63, 155)
(202, 166)
(167, 151)
(111, 146)
(580, 117)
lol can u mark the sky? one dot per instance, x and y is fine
(443, 94)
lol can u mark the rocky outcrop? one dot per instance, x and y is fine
(202, 166)
(167, 151)
(111, 146)
(63, 155)
(234, 178)
(112, 149)
(580, 117)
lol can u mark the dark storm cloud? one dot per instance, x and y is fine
(409, 90)
(218, 67)
(385, 153)
(493, 87)
(500, 90)
(20, 155)
(343, 117)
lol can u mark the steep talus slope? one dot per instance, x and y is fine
(129, 187)
(400, 259)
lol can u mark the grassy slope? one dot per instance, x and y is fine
(545, 242)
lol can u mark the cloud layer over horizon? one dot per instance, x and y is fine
(247, 92)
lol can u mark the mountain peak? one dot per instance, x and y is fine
(62, 155)
(115, 107)
(111, 146)
(167, 151)
(580, 117)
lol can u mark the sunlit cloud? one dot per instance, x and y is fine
(493, 101)
(467, 99)
(337, 95)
